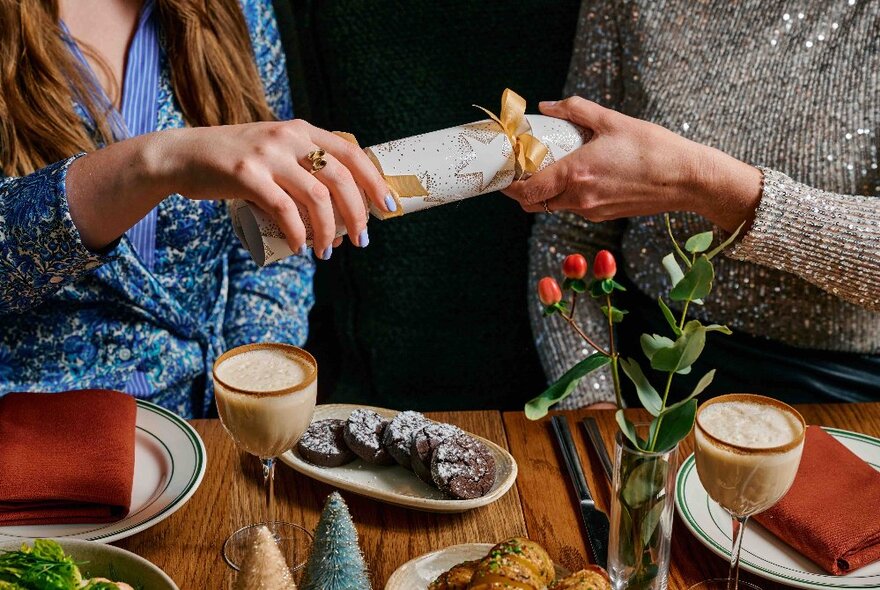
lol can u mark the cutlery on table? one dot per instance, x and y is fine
(595, 521)
(592, 428)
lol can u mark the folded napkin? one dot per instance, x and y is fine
(832, 512)
(66, 457)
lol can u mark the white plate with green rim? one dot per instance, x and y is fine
(764, 554)
(169, 463)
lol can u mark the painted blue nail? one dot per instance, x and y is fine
(303, 250)
(327, 253)
(364, 239)
(390, 203)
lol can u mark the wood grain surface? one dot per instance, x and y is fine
(548, 500)
(187, 545)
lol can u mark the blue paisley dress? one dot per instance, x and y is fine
(71, 318)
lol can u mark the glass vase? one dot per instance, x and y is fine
(641, 515)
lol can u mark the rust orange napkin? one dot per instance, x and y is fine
(832, 512)
(66, 457)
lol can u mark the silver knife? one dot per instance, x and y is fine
(592, 428)
(595, 521)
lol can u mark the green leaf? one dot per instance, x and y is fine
(667, 313)
(616, 314)
(683, 352)
(595, 289)
(696, 283)
(645, 482)
(578, 286)
(672, 268)
(651, 520)
(617, 286)
(550, 310)
(627, 428)
(607, 286)
(627, 551)
(537, 408)
(699, 243)
(677, 424)
(647, 394)
(651, 343)
(702, 384)
(684, 371)
(715, 251)
(719, 328)
(684, 257)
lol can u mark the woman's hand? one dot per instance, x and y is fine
(630, 168)
(267, 164)
(111, 189)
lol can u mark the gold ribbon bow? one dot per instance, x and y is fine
(406, 185)
(528, 150)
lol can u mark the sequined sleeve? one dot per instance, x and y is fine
(828, 239)
(595, 75)
(40, 247)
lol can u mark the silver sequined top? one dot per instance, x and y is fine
(790, 86)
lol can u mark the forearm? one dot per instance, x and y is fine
(723, 189)
(111, 189)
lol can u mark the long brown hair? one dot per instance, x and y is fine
(213, 74)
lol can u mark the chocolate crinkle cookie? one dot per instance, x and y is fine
(463, 467)
(398, 435)
(363, 435)
(324, 444)
(424, 442)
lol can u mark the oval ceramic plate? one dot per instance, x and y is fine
(417, 573)
(96, 560)
(169, 463)
(394, 484)
(763, 553)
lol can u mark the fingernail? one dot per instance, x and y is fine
(364, 239)
(390, 204)
(548, 103)
(327, 253)
(303, 250)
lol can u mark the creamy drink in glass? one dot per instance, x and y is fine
(747, 449)
(265, 398)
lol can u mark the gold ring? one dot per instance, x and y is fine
(547, 208)
(316, 157)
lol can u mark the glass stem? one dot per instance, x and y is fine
(269, 484)
(739, 527)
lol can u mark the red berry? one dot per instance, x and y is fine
(604, 267)
(574, 266)
(549, 292)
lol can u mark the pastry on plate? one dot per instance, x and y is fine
(463, 467)
(398, 435)
(515, 563)
(323, 444)
(363, 435)
(591, 578)
(424, 442)
(456, 578)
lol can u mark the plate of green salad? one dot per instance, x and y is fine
(69, 564)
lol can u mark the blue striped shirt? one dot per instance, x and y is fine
(139, 115)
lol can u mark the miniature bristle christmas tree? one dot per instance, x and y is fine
(336, 562)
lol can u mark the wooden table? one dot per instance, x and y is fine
(541, 505)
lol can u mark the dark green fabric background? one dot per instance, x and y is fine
(432, 314)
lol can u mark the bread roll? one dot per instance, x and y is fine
(592, 578)
(515, 564)
(457, 578)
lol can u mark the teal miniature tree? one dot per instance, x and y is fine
(336, 561)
